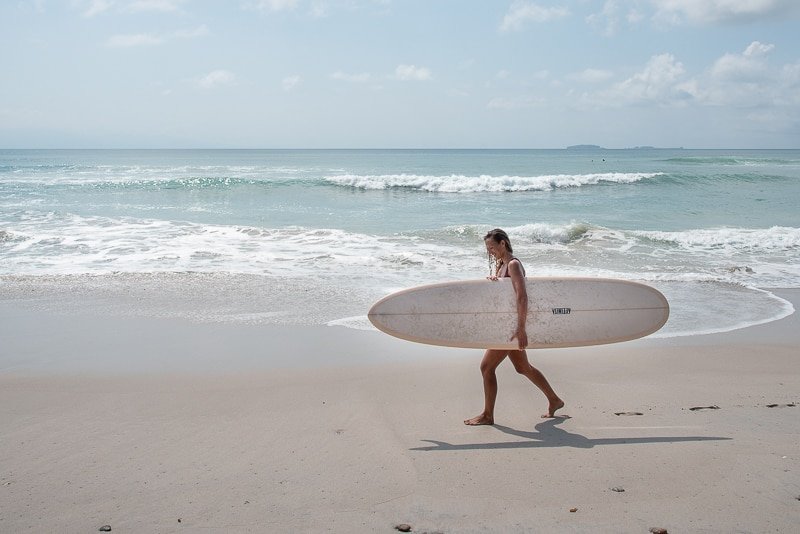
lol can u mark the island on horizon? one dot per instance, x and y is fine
(585, 147)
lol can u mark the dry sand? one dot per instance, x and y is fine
(170, 426)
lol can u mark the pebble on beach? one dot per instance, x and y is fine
(403, 527)
(105, 528)
(657, 530)
(618, 489)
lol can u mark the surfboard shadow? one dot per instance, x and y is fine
(548, 434)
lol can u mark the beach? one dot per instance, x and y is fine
(184, 343)
(165, 424)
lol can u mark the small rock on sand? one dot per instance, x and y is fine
(657, 530)
(573, 510)
(403, 527)
(105, 528)
(618, 489)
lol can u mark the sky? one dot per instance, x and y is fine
(399, 73)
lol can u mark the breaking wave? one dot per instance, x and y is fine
(484, 183)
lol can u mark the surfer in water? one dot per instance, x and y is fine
(506, 265)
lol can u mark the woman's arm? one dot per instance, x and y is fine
(521, 291)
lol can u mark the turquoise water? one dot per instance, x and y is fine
(714, 230)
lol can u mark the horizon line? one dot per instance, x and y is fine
(572, 148)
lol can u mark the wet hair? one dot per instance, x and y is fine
(498, 236)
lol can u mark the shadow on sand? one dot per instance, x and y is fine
(548, 434)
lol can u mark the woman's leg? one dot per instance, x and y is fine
(520, 360)
(491, 359)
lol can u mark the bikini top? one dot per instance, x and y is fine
(504, 268)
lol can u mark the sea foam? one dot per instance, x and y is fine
(776, 238)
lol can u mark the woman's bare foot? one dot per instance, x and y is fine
(553, 408)
(481, 419)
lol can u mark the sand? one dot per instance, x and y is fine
(166, 425)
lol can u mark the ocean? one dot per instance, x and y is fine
(314, 237)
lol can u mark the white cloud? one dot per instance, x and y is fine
(133, 40)
(756, 49)
(591, 76)
(216, 78)
(789, 81)
(357, 78)
(312, 8)
(522, 102)
(661, 82)
(750, 65)
(290, 82)
(273, 5)
(522, 12)
(720, 11)
(318, 10)
(740, 81)
(200, 31)
(655, 83)
(466, 64)
(745, 80)
(164, 6)
(412, 72)
(787, 97)
(634, 16)
(459, 92)
(614, 14)
(96, 7)
(149, 39)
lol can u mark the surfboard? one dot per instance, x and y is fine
(562, 312)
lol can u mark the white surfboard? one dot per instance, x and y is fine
(562, 312)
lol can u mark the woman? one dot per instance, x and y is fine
(499, 248)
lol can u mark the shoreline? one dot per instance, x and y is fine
(108, 326)
(88, 343)
(356, 431)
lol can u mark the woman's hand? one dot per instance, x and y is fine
(522, 338)
(492, 278)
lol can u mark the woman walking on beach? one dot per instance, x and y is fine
(498, 245)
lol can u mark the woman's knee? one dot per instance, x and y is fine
(491, 360)
(522, 367)
(521, 363)
(488, 368)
